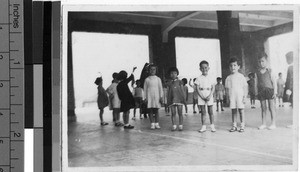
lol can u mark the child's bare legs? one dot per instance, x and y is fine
(211, 114)
(134, 112)
(234, 117)
(101, 115)
(271, 103)
(173, 117)
(263, 114)
(218, 105)
(199, 108)
(126, 117)
(221, 101)
(194, 104)
(179, 110)
(186, 109)
(116, 114)
(155, 112)
(203, 118)
(242, 119)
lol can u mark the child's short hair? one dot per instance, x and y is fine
(251, 75)
(204, 62)
(289, 55)
(194, 79)
(279, 73)
(138, 81)
(151, 65)
(262, 55)
(98, 81)
(184, 80)
(173, 69)
(115, 75)
(219, 79)
(122, 75)
(233, 60)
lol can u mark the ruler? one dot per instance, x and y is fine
(11, 86)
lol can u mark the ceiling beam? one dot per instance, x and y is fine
(167, 26)
(267, 15)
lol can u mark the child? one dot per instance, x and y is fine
(102, 100)
(127, 100)
(219, 93)
(115, 102)
(176, 98)
(138, 98)
(252, 89)
(266, 87)
(280, 89)
(288, 90)
(236, 92)
(153, 96)
(165, 98)
(205, 90)
(195, 95)
(186, 93)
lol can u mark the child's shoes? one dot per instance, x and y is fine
(213, 129)
(157, 126)
(180, 127)
(203, 129)
(262, 127)
(233, 129)
(174, 128)
(152, 126)
(272, 127)
(104, 123)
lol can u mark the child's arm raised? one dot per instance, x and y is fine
(190, 82)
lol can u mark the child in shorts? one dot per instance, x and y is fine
(205, 89)
(219, 93)
(186, 93)
(236, 92)
(138, 98)
(195, 95)
(266, 87)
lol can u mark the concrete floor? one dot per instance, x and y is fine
(92, 145)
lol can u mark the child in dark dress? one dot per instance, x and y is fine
(126, 97)
(102, 99)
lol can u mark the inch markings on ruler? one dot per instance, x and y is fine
(11, 86)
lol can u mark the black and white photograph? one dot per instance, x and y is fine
(180, 88)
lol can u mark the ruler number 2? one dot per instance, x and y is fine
(17, 134)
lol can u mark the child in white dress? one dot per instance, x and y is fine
(153, 96)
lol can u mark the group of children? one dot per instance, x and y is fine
(151, 93)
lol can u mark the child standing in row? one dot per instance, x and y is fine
(176, 98)
(205, 90)
(219, 93)
(266, 87)
(115, 102)
(186, 93)
(138, 95)
(195, 95)
(252, 89)
(125, 95)
(153, 96)
(102, 100)
(236, 92)
(280, 89)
